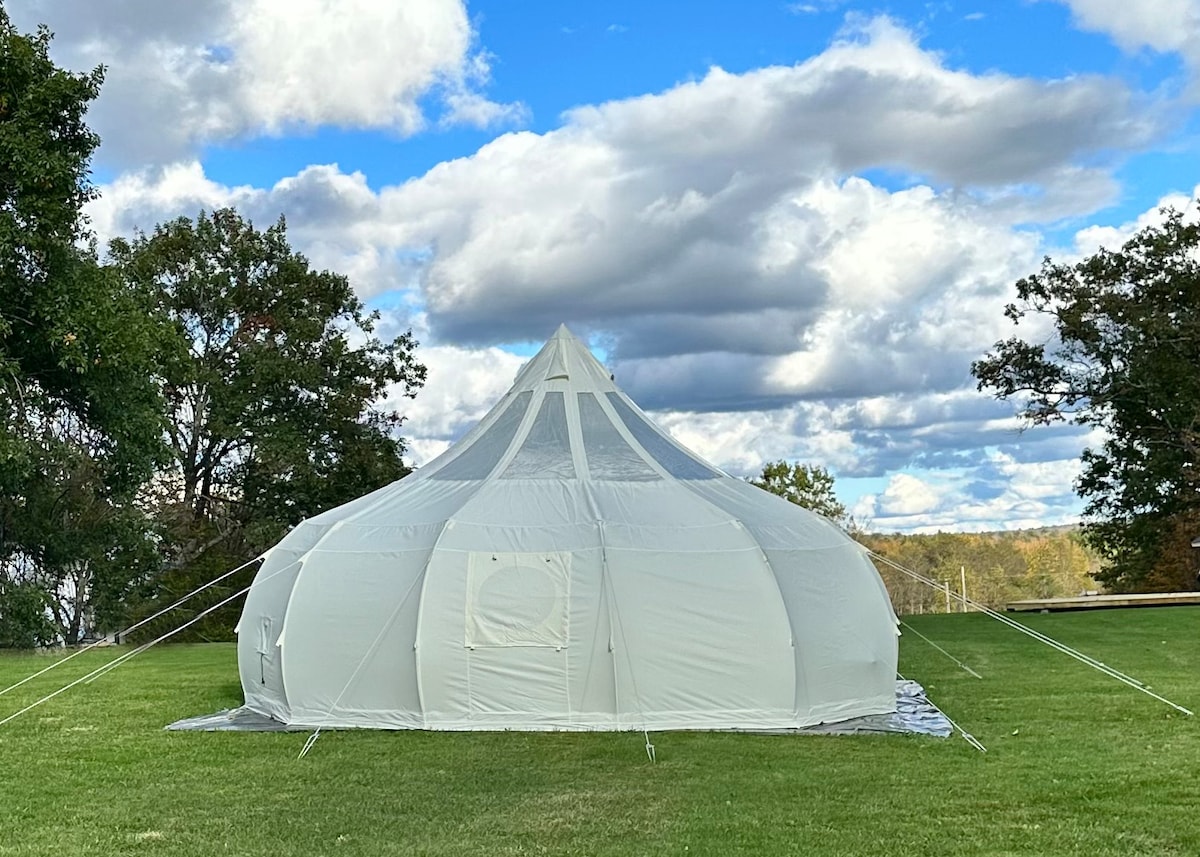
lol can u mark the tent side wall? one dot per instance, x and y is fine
(260, 664)
(843, 626)
(348, 644)
(846, 643)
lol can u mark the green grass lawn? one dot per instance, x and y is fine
(1077, 764)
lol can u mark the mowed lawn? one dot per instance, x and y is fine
(1077, 764)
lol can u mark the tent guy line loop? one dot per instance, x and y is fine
(132, 627)
(940, 649)
(308, 744)
(1037, 635)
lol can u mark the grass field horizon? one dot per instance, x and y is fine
(1077, 763)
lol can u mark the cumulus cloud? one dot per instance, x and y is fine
(462, 385)
(763, 299)
(1165, 25)
(907, 495)
(728, 195)
(1092, 238)
(1028, 495)
(183, 75)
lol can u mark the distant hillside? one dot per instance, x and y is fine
(996, 567)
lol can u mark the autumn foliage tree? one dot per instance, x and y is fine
(998, 567)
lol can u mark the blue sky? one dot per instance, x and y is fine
(788, 227)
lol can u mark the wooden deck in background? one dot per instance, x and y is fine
(1092, 602)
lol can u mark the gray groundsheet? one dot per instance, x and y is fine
(914, 714)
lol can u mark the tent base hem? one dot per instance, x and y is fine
(914, 714)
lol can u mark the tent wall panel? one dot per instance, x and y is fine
(348, 642)
(845, 637)
(443, 661)
(259, 659)
(699, 635)
(590, 672)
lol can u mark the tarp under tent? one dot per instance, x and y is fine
(567, 565)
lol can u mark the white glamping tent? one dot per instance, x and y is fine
(567, 565)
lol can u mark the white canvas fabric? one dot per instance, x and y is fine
(567, 565)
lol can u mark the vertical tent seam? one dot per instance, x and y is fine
(446, 524)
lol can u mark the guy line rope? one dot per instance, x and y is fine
(1037, 635)
(113, 664)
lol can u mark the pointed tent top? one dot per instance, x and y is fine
(564, 418)
(564, 358)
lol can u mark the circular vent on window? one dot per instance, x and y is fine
(517, 600)
(520, 597)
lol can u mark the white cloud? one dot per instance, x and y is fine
(763, 300)
(1164, 25)
(907, 495)
(1023, 495)
(1092, 238)
(179, 76)
(462, 385)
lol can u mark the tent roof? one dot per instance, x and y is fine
(565, 418)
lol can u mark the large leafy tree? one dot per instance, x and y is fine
(79, 412)
(273, 387)
(1114, 343)
(807, 485)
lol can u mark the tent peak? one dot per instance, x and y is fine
(565, 359)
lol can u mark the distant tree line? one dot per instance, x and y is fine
(996, 567)
(169, 408)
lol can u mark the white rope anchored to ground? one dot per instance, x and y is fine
(132, 627)
(113, 664)
(116, 662)
(940, 649)
(1037, 635)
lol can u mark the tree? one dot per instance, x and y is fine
(24, 619)
(1123, 356)
(997, 567)
(807, 485)
(79, 410)
(272, 385)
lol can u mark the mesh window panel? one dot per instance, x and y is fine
(482, 456)
(546, 453)
(608, 455)
(672, 459)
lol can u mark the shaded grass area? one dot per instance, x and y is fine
(1077, 764)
